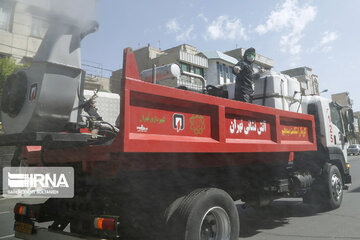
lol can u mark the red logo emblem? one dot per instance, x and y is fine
(178, 122)
(33, 91)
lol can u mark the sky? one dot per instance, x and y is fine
(320, 34)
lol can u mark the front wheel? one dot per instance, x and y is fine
(335, 185)
(204, 214)
(328, 190)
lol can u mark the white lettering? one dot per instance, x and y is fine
(39, 180)
(232, 126)
(49, 180)
(142, 128)
(238, 128)
(62, 181)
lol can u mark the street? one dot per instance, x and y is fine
(291, 219)
(284, 219)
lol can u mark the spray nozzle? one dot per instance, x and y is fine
(92, 27)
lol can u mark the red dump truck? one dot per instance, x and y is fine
(178, 162)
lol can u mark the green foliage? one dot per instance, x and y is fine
(7, 67)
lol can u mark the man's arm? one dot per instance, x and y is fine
(237, 68)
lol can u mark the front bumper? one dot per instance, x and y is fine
(347, 179)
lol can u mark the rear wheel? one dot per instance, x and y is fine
(204, 214)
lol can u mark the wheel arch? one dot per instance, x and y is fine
(336, 157)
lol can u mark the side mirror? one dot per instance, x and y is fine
(351, 127)
(350, 120)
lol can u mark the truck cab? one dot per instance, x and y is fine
(330, 128)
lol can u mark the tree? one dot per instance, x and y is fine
(7, 67)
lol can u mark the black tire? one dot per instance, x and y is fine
(205, 212)
(327, 192)
(335, 193)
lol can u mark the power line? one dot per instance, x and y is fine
(108, 70)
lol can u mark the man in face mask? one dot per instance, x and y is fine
(244, 86)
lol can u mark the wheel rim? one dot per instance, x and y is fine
(336, 187)
(215, 225)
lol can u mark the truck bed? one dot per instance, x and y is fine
(159, 123)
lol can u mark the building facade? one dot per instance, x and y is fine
(21, 32)
(357, 124)
(220, 68)
(309, 83)
(260, 60)
(214, 66)
(186, 56)
(93, 82)
(221, 65)
(343, 99)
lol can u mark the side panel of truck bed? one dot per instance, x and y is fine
(155, 118)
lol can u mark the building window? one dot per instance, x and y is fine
(199, 71)
(232, 75)
(227, 72)
(185, 67)
(6, 10)
(221, 70)
(38, 27)
(4, 55)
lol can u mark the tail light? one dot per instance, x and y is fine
(20, 209)
(28, 211)
(104, 224)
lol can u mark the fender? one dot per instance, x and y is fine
(336, 157)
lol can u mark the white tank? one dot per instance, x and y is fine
(274, 102)
(293, 87)
(230, 87)
(108, 105)
(276, 85)
(166, 72)
(294, 106)
(294, 94)
(282, 92)
(275, 92)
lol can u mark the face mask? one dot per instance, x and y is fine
(250, 57)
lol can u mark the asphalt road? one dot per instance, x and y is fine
(291, 219)
(284, 219)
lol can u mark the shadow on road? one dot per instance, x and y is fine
(252, 221)
(355, 190)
